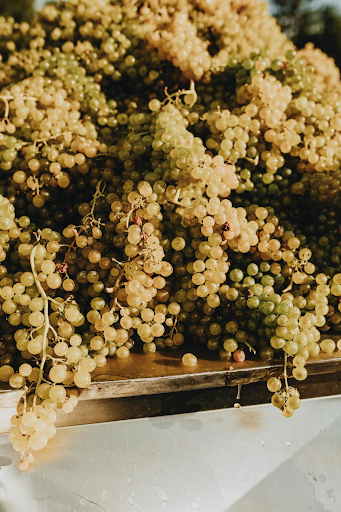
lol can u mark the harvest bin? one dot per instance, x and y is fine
(158, 384)
(232, 459)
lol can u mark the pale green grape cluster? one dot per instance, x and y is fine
(52, 353)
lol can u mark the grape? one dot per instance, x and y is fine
(277, 400)
(328, 345)
(189, 360)
(294, 402)
(274, 384)
(287, 412)
(300, 373)
(239, 356)
(82, 379)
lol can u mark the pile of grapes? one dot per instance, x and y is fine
(170, 174)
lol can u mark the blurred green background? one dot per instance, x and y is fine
(318, 21)
(313, 21)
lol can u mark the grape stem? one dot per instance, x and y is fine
(129, 215)
(289, 287)
(59, 360)
(46, 318)
(117, 286)
(51, 137)
(25, 398)
(174, 326)
(254, 161)
(250, 347)
(54, 332)
(184, 92)
(71, 246)
(285, 373)
(140, 204)
(6, 100)
(296, 265)
(176, 198)
(98, 193)
(33, 331)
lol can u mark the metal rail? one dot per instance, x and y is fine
(150, 374)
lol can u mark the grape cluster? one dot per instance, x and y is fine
(170, 176)
(327, 73)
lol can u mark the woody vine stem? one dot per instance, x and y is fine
(46, 318)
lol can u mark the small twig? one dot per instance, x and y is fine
(98, 193)
(289, 287)
(183, 92)
(82, 228)
(54, 332)
(7, 99)
(250, 347)
(24, 397)
(176, 197)
(117, 285)
(285, 374)
(174, 326)
(129, 214)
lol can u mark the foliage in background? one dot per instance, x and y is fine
(303, 23)
(21, 10)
